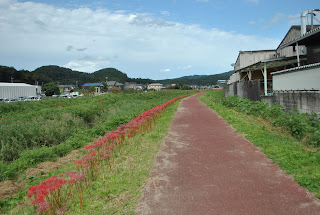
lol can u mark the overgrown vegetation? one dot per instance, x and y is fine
(114, 191)
(301, 126)
(291, 139)
(33, 132)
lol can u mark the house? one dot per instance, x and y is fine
(99, 87)
(67, 89)
(291, 51)
(299, 87)
(155, 86)
(111, 84)
(288, 75)
(253, 70)
(221, 82)
(132, 85)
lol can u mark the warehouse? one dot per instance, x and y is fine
(16, 90)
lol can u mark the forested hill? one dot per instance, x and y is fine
(198, 79)
(62, 75)
(56, 74)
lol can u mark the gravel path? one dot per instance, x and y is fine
(206, 167)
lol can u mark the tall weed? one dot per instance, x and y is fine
(300, 125)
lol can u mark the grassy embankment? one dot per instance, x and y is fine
(116, 190)
(33, 132)
(291, 140)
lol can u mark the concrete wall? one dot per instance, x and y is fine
(302, 79)
(304, 102)
(245, 89)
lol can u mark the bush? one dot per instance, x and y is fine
(300, 125)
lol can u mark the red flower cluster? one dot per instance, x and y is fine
(47, 190)
(98, 154)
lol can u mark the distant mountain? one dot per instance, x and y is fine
(198, 79)
(63, 75)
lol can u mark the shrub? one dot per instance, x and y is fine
(300, 125)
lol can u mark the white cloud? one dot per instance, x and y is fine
(33, 35)
(87, 64)
(165, 13)
(274, 20)
(185, 67)
(165, 70)
(294, 19)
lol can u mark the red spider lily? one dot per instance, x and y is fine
(99, 152)
(81, 163)
(93, 153)
(56, 105)
(46, 191)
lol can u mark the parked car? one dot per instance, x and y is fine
(63, 96)
(21, 99)
(10, 100)
(32, 98)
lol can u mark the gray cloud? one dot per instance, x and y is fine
(69, 48)
(81, 50)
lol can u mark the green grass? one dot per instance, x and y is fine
(296, 159)
(118, 190)
(38, 131)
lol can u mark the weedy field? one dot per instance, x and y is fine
(290, 139)
(33, 132)
(85, 119)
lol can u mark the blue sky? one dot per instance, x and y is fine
(143, 38)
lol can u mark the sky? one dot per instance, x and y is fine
(142, 38)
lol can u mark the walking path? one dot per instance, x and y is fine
(206, 167)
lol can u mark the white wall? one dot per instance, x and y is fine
(304, 79)
(12, 91)
(248, 58)
(235, 77)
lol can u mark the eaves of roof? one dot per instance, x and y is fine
(271, 63)
(297, 68)
(303, 37)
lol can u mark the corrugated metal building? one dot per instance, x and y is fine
(299, 78)
(16, 90)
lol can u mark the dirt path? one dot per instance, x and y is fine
(206, 167)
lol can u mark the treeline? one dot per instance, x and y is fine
(46, 74)
(61, 75)
(203, 80)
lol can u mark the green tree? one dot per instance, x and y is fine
(51, 88)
